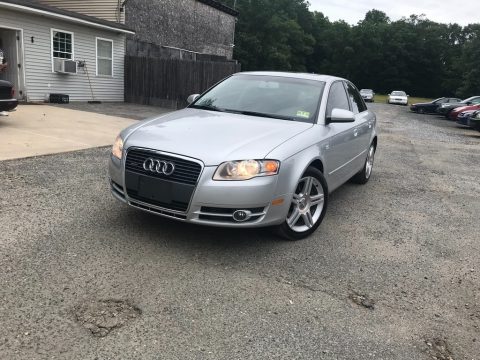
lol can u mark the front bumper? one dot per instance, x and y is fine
(214, 202)
(8, 104)
(398, 101)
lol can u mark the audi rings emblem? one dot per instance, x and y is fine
(159, 166)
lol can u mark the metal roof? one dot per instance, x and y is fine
(219, 6)
(29, 6)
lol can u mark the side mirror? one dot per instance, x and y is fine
(192, 98)
(408, 95)
(341, 116)
(389, 94)
(469, 103)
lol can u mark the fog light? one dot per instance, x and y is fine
(242, 215)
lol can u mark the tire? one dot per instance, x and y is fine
(363, 175)
(307, 210)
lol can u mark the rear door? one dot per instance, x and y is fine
(362, 128)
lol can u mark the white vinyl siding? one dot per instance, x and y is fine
(104, 57)
(39, 78)
(103, 9)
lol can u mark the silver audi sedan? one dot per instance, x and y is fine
(257, 149)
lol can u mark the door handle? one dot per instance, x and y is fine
(355, 132)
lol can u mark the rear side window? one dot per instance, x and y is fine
(356, 100)
(337, 98)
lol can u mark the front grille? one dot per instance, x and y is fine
(226, 214)
(186, 171)
(158, 211)
(173, 205)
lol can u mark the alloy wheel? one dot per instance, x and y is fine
(307, 205)
(369, 162)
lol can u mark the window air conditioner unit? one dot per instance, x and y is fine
(64, 66)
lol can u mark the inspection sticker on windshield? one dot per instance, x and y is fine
(304, 114)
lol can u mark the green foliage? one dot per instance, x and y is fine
(413, 54)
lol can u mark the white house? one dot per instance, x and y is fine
(52, 50)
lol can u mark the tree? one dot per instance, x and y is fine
(414, 54)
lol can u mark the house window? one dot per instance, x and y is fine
(62, 44)
(104, 57)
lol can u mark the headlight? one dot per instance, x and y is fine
(117, 148)
(246, 169)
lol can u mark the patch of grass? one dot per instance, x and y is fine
(411, 100)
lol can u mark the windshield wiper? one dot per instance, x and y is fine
(207, 107)
(254, 113)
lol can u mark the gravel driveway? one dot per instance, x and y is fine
(392, 273)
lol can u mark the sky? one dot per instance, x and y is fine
(442, 11)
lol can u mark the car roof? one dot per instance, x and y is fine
(306, 76)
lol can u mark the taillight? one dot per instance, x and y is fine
(12, 94)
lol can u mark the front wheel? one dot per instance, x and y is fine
(308, 207)
(363, 175)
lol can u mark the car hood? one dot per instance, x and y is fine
(464, 108)
(214, 137)
(423, 104)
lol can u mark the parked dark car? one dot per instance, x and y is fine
(464, 117)
(475, 121)
(445, 109)
(7, 96)
(453, 115)
(432, 106)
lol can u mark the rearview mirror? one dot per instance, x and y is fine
(192, 98)
(341, 116)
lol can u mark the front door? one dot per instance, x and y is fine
(338, 151)
(11, 43)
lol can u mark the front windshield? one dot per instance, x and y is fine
(366, 91)
(399, 93)
(440, 100)
(267, 96)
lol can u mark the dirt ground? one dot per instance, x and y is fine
(392, 273)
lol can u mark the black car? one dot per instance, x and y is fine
(444, 109)
(475, 121)
(7, 96)
(432, 106)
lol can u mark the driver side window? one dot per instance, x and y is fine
(337, 98)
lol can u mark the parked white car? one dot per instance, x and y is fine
(368, 95)
(398, 97)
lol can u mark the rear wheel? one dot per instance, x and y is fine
(363, 175)
(308, 207)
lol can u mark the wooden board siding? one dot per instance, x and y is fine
(103, 9)
(39, 78)
(168, 82)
